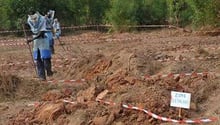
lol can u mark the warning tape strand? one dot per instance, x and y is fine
(108, 26)
(181, 75)
(186, 59)
(36, 104)
(66, 81)
(95, 26)
(64, 39)
(73, 59)
(71, 39)
(28, 62)
(206, 120)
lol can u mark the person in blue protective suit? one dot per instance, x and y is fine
(41, 47)
(49, 27)
(56, 27)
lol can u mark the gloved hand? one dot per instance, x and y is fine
(40, 34)
(29, 40)
(54, 31)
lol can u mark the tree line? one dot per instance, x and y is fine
(119, 13)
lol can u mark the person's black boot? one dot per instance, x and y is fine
(52, 49)
(40, 67)
(47, 65)
(49, 73)
(42, 79)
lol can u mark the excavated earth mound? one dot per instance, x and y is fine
(96, 76)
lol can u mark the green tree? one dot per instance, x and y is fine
(122, 14)
(76, 13)
(5, 21)
(151, 12)
(205, 12)
(20, 10)
(179, 12)
(196, 12)
(96, 11)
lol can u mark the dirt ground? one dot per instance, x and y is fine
(96, 75)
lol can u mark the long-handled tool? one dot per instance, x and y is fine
(61, 43)
(29, 47)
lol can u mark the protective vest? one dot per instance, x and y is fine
(37, 24)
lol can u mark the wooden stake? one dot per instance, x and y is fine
(180, 112)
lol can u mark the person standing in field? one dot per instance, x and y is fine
(41, 47)
(49, 27)
(57, 29)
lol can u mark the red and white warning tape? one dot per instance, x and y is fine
(65, 27)
(54, 60)
(12, 31)
(13, 44)
(12, 40)
(63, 59)
(181, 75)
(36, 104)
(29, 62)
(21, 64)
(66, 81)
(93, 26)
(184, 59)
(160, 117)
(67, 101)
(20, 42)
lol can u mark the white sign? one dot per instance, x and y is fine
(180, 99)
